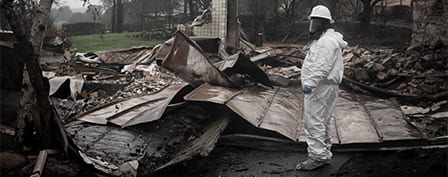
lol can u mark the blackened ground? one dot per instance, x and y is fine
(412, 163)
(242, 162)
(153, 144)
(167, 136)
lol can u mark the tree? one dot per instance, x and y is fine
(262, 7)
(107, 3)
(289, 7)
(168, 7)
(35, 102)
(151, 12)
(366, 14)
(185, 15)
(117, 16)
(78, 17)
(61, 14)
(203, 4)
(195, 6)
(191, 6)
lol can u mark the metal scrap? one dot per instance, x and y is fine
(358, 119)
(241, 64)
(40, 163)
(73, 87)
(133, 111)
(188, 61)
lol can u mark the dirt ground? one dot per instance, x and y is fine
(242, 162)
(412, 163)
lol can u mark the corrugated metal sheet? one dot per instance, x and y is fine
(133, 111)
(352, 119)
(277, 109)
(240, 63)
(358, 119)
(188, 61)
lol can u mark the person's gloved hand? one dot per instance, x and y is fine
(306, 90)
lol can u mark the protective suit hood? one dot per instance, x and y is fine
(337, 37)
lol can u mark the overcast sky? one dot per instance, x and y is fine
(77, 5)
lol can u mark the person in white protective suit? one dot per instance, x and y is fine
(321, 73)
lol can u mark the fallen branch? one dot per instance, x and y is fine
(374, 90)
(384, 93)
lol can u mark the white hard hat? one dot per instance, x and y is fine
(321, 11)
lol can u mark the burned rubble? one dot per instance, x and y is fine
(160, 128)
(133, 117)
(208, 102)
(412, 73)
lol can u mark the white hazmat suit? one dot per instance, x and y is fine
(322, 72)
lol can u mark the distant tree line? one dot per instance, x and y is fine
(137, 15)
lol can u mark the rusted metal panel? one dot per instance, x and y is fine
(101, 115)
(214, 94)
(208, 44)
(391, 123)
(284, 113)
(276, 109)
(149, 112)
(188, 61)
(356, 121)
(240, 63)
(126, 55)
(352, 122)
(253, 105)
(133, 111)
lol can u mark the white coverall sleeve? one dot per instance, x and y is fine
(321, 61)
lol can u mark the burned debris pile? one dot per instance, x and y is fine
(418, 72)
(138, 111)
(151, 81)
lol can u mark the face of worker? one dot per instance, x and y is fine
(316, 25)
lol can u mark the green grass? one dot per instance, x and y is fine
(92, 43)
